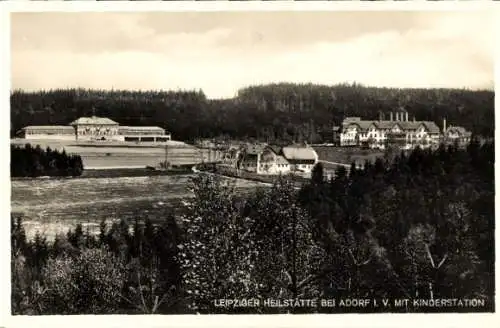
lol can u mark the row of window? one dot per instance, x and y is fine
(49, 132)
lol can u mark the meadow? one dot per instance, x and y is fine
(123, 155)
(52, 206)
(347, 155)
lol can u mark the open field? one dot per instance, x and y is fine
(54, 205)
(126, 155)
(347, 155)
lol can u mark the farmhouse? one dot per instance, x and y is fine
(301, 158)
(457, 134)
(275, 160)
(398, 130)
(95, 129)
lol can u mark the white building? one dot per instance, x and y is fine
(397, 130)
(47, 132)
(302, 159)
(274, 160)
(457, 134)
(96, 129)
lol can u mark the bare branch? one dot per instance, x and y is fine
(429, 255)
(442, 261)
(352, 256)
(140, 289)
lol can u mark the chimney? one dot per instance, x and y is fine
(380, 116)
(414, 119)
(406, 116)
(444, 125)
(391, 116)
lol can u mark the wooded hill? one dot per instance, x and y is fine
(273, 112)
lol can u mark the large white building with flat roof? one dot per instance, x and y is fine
(95, 129)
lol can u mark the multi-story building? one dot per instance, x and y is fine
(397, 130)
(95, 129)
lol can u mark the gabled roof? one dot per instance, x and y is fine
(276, 149)
(363, 125)
(94, 120)
(299, 153)
(387, 125)
(460, 130)
(254, 149)
(431, 127)
(281, 160)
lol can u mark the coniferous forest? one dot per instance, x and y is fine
(418, 227)
(28, 161)
(276, 112)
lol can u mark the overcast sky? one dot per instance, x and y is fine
(220, 52)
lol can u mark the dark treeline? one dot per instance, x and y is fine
(422, 226)
(418, 227)
(274, 112)
(116, 271)
(28, 161)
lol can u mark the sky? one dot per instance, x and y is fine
(221, 52)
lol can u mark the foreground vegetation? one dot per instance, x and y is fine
(419, 227)
(278, 113)
(34, 162)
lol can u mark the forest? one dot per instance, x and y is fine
(282, 112)
(28, 161)
(419, 226)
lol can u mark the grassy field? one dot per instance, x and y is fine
(102, 155)
(347, 155)
(53, 206)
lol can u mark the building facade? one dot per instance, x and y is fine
(397, 130)
(275, 160)
(48, 132)
(96, 129)
(457, 135)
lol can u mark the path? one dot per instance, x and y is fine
(335, 163)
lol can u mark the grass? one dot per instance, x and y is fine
(123, 155)
(347, 155)
(54, 205)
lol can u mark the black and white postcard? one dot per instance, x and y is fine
(327, 165)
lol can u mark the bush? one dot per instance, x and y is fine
(89, 283)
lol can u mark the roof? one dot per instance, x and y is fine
(281, 160)
(94, 120)
(363, 125)
(49, 127)
(431, 126)
(405, 125)
(459, 129)
(140, 128)
(276, 149)
(299, 153)
(254, 149)
(336, 128)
